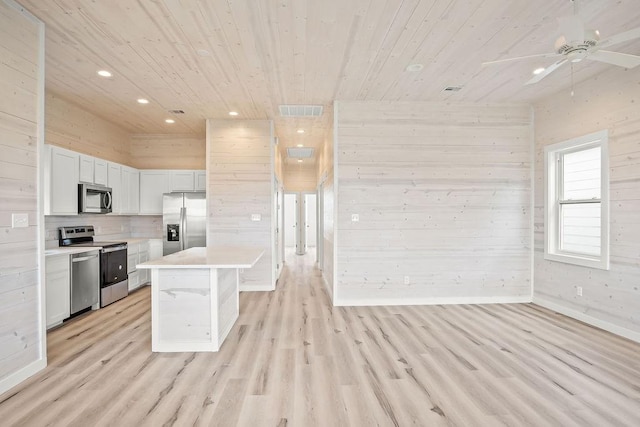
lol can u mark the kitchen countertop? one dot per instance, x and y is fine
(212, 257)
(134, 240)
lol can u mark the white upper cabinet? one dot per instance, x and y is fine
(114, 180)
(93, 170)
(100, 171)
(61, 181)
(153, 184)
(182, 180)
(86, 169)
(201, 180)
(187, 180)
(130, 191)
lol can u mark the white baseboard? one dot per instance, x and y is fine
(17, 377)
(593, 321)
(431, 301)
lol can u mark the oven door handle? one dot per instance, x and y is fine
(83, 258)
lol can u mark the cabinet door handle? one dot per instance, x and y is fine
(83, 258)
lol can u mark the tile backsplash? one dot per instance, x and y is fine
(107, 227)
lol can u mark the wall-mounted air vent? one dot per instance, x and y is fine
(452, 89)
(300, 152)
(176, 111)
(301, 110)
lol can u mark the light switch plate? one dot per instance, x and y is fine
(19, 220)
(355, 217)
(256, 217)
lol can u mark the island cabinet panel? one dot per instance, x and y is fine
(184, 304)
(228, 301)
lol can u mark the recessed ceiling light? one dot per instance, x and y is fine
(414, 67)
(538, 70)
(143, 101)
(299, 160)
(170, 121)
(233, 113)
(104, 73)
(300, 145)
(300, 130)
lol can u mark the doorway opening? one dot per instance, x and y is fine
(300, 222)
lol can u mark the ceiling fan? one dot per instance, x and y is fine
(577, 43)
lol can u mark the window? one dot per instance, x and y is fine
(577, 201)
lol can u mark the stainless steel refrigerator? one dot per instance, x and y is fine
(184, 218)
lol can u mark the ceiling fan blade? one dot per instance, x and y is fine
(540, 55)
(572, 28)
(620, 38)
(616, 58)
(550, 69)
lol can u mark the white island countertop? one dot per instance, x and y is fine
(210, 257)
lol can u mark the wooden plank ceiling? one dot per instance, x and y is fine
(260, 54)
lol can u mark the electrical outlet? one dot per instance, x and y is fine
(406, 280)
(579, 291)
(19, 220)
(355, 217)
(256, 217)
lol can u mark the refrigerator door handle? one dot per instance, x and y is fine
(183, 223)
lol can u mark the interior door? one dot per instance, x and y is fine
(195, 220)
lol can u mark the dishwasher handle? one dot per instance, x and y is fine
(83, 258)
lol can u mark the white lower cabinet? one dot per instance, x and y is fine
(155, 248)
(57, 289)
(137, 253)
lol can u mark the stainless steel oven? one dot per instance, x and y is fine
(114, 283)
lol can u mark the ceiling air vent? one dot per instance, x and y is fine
(300, 152)
(176, 111)
(301, 110)
(452, 89)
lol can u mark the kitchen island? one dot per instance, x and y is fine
(194, 296)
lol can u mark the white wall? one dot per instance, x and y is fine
(240, 167)
(443, 193)
(611, 299)
(300, 177)
(22, 351)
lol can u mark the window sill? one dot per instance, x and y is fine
(584, 261)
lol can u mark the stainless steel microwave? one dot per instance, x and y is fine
(94, 199)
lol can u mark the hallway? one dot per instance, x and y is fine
(294, 360)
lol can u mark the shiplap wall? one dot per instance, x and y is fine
(167, 151)
(21, 328)
(611, 299)
(325, 178)
(300, 177)
(70, 126)
(443, 194)
(240, 164)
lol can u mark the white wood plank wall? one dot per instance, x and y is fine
(239, 174)
(611, 299)
(300, 177)
(443, 196)
(167, 151)
(20, 326)
(70, 126)
(325, 176)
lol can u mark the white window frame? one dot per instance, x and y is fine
(552, 185)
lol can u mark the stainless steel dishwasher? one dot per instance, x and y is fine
(85, 280)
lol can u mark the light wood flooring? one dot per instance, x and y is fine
(294, 360)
